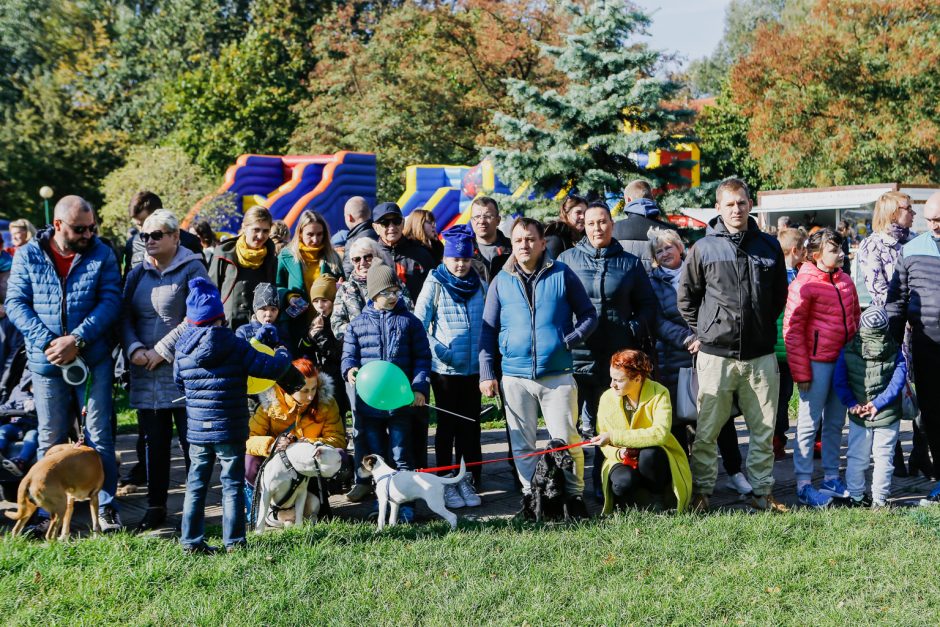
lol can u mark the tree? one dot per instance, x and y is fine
(853, 103)
(165, 170)
(611, 107)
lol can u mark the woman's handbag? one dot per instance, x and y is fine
(687, 395)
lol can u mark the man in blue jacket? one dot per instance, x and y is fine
(528, 320)
(64, 296)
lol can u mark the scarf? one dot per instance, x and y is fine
(461, 289)
(250, 258)
(672, 275)
(310, 262)
(899, 233)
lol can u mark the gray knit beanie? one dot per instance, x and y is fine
(380, 277)
(265, 296)
(875, 318)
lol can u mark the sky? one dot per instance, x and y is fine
(690, 27)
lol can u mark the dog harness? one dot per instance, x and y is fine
(295, 481)
(388, 484)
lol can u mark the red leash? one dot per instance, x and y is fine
(505, 459)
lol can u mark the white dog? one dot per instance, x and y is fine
(394, 487)
(282, 482)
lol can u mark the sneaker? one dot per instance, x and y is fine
(738, 483)
(153, 519)
(880, 506)
(767, 503)
(468, 493)
(359, 492)
(15, 466)
(835, 488)
(577, 509)
(811, 497)
(862, 501)
(406, 514)
(933, 498)
(109, 519)
(38, 530)
(452, 497)
(699, 503)
(200, 549)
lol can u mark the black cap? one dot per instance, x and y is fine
(384, 209)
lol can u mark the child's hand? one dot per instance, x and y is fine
(316, 326)
(870, 410)
(803, 386)
(267, 335)
(856, 410)
(420, 400)
(351, 375)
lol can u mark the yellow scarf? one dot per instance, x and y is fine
(250, 258)
(310, 261)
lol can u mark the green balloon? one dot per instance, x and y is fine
(383, 385)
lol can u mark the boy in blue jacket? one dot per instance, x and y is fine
(387, 330)
(212, 367)
(870, 376)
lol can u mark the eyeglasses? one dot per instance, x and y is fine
(155, 236)
(362, 258)
(396, 221)
(483, 217)
(388, 293)
(907, 208)
(91, 228)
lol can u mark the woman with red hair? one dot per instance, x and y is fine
(644, 464)
(310, 413)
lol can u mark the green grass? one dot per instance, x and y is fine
(834, 567)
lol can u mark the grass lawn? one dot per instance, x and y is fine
(835, 567)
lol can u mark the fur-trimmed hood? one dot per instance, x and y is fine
(281, 405)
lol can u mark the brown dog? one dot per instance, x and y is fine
(67, 473)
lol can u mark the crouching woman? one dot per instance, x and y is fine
(644, 465)
(311, 413)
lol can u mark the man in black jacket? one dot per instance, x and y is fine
(732, 290)
(491, 247)
(358, 217)
(410, 261)
(913, 299)
(640, 214)
(142, 205)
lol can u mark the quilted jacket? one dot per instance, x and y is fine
(820, 319)
(913, 296)
(453, 328)
(90, 308)
(212, 368)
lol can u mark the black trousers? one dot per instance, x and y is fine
(783, 401)
(926, 357)
(157, 431)
(460, 394)
(727, 444)
(652, 474)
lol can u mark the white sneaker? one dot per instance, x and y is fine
(452, 498)
(467, 493)
(738, 482)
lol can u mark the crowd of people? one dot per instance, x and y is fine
(586, 322)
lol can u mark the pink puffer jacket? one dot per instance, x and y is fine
(821, 317)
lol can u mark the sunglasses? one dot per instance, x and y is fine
(93, 228)
(386, 223)
(362, 258)
(155, 236)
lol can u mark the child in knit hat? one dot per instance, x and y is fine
(386, 330)
(320, 345)
(265, 307)
(869, 378)
(212, 367)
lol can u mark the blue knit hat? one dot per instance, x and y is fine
(458, 242)
(204, 304)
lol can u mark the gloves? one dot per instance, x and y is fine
(291, 381)
(267, 335)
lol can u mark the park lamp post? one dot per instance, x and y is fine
(46, 192)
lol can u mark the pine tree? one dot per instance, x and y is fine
(611, 107)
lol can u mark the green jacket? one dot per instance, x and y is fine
(290, 275)
(871, 361)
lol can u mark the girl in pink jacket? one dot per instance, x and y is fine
(821, 317)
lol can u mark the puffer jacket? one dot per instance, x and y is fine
(733, 288)
(277, 412)
(154, 317)
(212, 367)
(877, 255)
(351, 299)
(913, 296)
(395, 336)
(453, 328)
(780, 348)
(626, 306)
(90, 308)
(631, 231)
(821, 318)
(237, 284)
(673, 334)
(872, 368)
(290, 275)
(411, 261)
(534, 332)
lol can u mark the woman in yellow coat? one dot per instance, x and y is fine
(644, 465)
(310, 413)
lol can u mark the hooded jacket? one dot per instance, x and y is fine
(135, 250)
(410, 260)
(44, 306)
(278, 411)
(621, 294)
(237, 284)
(631, 231)
(212, 367)
(820, 319)
(453, 327)
(733, 289)
(153, 316)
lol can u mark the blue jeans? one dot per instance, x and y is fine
(389, 435)
(56, 403)
(13, 433)
(202, 458)
(820, 403)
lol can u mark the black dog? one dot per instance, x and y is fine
(549, 498)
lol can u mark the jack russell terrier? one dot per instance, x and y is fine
(394, 487)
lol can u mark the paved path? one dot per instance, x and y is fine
(500, 498)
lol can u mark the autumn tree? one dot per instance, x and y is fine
(849, 96)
